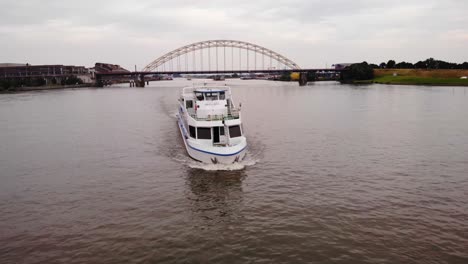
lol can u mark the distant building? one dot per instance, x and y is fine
(108, 68)
(15, 70)
(100, 68)
(57, 72)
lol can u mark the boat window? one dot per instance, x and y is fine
(199, 96)
(221, 131)
(204, 132)
(235, 131)
(189, 104)
(192, 131)
(222, 96)
(211, 96)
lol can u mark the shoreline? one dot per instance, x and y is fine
(410, 83)
(43, 88)
(422, 84)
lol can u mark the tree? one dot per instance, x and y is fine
(285, 77)
(72, 80)
(4, 84)
(420, 65)
(358, 71)
(38, 81)
(404, 65)
(311, 76)
(390, 64)
(431, 64)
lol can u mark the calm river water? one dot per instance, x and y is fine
(334, 174)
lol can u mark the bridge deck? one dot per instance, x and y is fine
(214, 72)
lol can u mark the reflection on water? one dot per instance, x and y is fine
(215, 196)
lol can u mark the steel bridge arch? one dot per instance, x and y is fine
(220, 44)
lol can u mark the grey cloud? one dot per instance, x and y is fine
(311, 32)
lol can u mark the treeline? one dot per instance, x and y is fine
(365, 71)
(13, 83)
(430, 63)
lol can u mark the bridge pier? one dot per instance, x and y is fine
(140, 80)
(303, 78)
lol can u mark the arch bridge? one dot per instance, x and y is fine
(219, 57)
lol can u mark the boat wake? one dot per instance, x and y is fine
(246, 162)
(222, 167)
(254, 155)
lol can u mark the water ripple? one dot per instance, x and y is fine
(333, 175)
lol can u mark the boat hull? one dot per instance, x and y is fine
(223, 155)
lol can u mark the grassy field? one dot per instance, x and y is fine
(422, 73)
(421, 77)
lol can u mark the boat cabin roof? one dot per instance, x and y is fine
(203, 89)
(208, 90)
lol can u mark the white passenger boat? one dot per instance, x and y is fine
(210, 125)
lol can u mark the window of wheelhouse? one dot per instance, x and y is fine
(203, 132)
(189, 104)
(222, 95)
(235, 131)
(199, 96)
(192, 132)
(212, 96)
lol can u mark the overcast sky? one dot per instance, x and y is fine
(312, 33)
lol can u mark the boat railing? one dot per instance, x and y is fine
(208, 85)
(233, 114)
(191, 89)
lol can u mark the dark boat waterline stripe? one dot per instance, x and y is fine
(223, 155)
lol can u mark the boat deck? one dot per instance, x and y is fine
(233, 114)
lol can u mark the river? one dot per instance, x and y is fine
(334, 174)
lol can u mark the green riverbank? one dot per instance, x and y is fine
(436, 77)
(416, 80)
